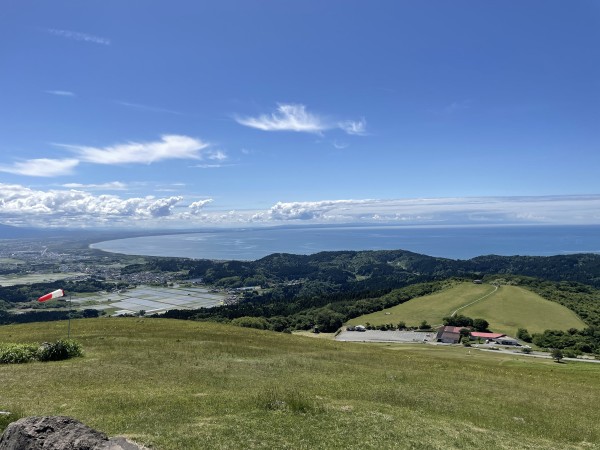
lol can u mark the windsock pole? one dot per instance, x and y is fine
(56, 294)
(69, 328)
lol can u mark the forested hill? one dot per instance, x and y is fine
(330, 287)
(375, 269)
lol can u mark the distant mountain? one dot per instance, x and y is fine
(11, 232)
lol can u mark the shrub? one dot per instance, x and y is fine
(17, 353)
(61, 349)
(23, 353)
(260, 323)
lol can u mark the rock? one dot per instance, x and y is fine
(59, 433)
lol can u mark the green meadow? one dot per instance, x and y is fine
(506, 308)
(513, 307)
(190, 385)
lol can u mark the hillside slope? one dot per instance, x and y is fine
(189, 385)
(506, 309)
(513, 307)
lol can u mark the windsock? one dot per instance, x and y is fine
(51, 295)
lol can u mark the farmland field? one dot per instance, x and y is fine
(10, 280)
(152, 299)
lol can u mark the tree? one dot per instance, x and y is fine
(480, 325)
(523, 334)
(464, 334)
(458, 321)
(557, 354)
(424, 326)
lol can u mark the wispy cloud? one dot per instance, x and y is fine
(442, 211)
(77, 36)
(356, 128)
(148, 108)
(339, 145)
(287, 117)
(111, 186)
(61, 93)
(216, 155)
(295, 117)
(170, 146)
(42, 167)
(212, 166)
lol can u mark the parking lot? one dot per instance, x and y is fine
(385, 336)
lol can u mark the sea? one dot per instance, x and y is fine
(454, 242)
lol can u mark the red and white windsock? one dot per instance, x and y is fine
(51, 295)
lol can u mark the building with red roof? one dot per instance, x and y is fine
(481, 335)
(451, 335)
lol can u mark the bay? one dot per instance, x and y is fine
(449, 242)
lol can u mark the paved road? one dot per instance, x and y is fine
(535, 355)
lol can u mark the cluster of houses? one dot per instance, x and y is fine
(451, 335)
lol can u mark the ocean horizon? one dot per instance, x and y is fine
(454, 242)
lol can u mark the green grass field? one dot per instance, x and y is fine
(513, 307)
(191, 385)
(506, 309)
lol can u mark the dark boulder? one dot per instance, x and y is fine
(58, 433)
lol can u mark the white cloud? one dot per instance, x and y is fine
(197, 207)
(356, 128)
(441, 211)
(309, 210)
(61, 93)
(77, 36)
(42, 167)
(113, 186)
(169, 147)
(287, 117)
(71, 208)
(75, 207)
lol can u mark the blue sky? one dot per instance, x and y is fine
(191, 114)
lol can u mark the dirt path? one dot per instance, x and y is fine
(472, 303)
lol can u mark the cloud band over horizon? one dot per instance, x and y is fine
(20, 205)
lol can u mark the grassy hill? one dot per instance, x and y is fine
(186, 385)
(506, 309)
(513, 307)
